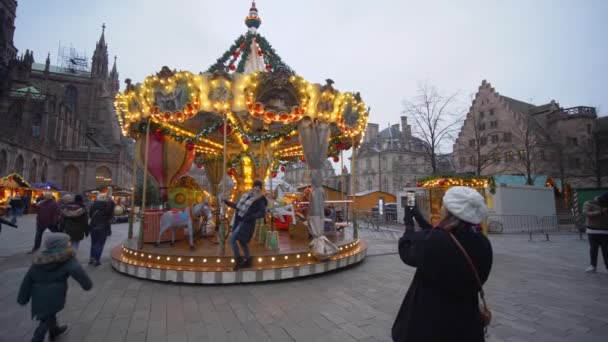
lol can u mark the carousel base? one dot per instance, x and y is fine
(205, 265)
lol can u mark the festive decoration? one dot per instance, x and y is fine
(282, 168)
(449, 181)
(336, 159)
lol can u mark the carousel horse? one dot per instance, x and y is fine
(184, 218)
(279, 211)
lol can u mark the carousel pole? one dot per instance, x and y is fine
(353, 169)
(342, 186)
(140, 240)
(222, 228)
(134, 180)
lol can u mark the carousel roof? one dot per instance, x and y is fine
(249, 100)
(259, 93)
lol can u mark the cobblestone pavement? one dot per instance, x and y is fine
(537, 290)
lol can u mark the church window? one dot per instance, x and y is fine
(15, 114)
(3, 162)
(33, 170)
(36, 122)
(19, 165)
(103, 177)
(70, 98)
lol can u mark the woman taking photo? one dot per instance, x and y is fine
(442, 302)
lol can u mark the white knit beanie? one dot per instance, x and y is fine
(466, 204)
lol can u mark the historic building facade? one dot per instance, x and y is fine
(58, 122)
(502, 135)
(389, 160)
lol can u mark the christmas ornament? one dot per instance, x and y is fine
(200, 165)
(418, 184)
(189, 146)
(274, 175)
(260, 53)
(268, 67)
(336, 159)
(228, 129)
(442, 182)
(282, 168)
(232, 67)
(236, 54)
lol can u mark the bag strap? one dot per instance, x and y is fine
(473, 268)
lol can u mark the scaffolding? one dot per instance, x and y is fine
(71, 60)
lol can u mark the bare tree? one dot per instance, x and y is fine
(590, 151)
(529, 145)
(436, 119)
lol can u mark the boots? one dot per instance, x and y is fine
(56, 331)
(246, 262)
(237, 262)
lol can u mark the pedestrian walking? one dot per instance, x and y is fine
(250, 207)
(75, 219)
(452, 262)
(15, 208)
(101, 213)
(47, 217)
(596, 214)
(45, 283)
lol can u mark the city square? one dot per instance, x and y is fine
(538, 292)
(209, 191)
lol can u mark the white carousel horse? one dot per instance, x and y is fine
(279, 211)
(184, 219)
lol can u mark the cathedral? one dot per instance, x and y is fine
(58, 121)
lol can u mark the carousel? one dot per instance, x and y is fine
(245, 118)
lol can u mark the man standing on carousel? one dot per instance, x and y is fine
(250, 207)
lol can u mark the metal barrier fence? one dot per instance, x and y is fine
(372, 220)
(531, 224)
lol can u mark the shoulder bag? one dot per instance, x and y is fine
(486, 314)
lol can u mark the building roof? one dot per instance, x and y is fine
(60, 70)
(391, 132)
(539, 180)
(33, 93)
(367, 192)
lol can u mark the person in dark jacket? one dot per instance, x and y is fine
(251, 206)
(101, 214)
(442, 302)
(46, 284)
(75, 219)
(47, 217)
(16, 208)
(596, 214)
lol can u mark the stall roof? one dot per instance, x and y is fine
(47, 185)
(539, 180)
(14, 180)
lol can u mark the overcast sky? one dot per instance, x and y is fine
(531, 50)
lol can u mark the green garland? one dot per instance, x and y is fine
(268, 53)
(491, 180)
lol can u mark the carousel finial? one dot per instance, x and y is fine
(253, 21)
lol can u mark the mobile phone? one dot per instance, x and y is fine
(411, 199)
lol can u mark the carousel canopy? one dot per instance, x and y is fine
(261, 98)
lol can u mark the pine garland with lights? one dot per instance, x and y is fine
(462, 180)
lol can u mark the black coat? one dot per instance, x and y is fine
(101, 214)
(75, 221)
(256, 210)
(442, 302)
(47, 285)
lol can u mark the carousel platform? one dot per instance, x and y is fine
(205, 265)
